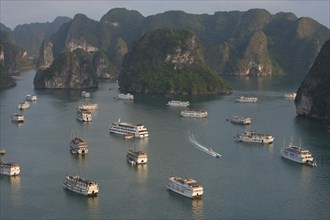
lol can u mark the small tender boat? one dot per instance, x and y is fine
(298, 154)
(253, 137)
(174, 103)
(127, 96)
(30, 97)
(23, 105)
(136, 157)
(245, 99)
(10, 169)
(88, 106)
(193, 114)
(84, 115)
(85, 94)
(82, 186)
(16, 117)
(213, 153)
(290, 95)
(242, 120)
(185, 186)
(128, 136)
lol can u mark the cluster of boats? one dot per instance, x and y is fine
(24, 105)
(187, 112)
(13, 168)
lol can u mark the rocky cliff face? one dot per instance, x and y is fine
(13, 59)
(169, 61)
(71, 70)
(76, 42)
(46, 56)
(313, 97)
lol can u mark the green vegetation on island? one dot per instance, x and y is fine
(169, 61)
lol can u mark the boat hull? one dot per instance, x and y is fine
(258, 141)
(81, 192)
(184, 193)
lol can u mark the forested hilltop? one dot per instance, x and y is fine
(169, 61)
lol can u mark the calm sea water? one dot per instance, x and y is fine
(249, 181)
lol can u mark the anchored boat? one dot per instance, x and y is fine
(245, 99)
(136, 157)
(84, 115)
(175, 103)
(253, 137)
(10, 169)
(242, 120)
(124, 128)
(82, 186)
(298, 154)
(185, 186)
(193, 114)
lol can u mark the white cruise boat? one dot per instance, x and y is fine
(10, 169)
(88, 106)
(290, 95)
(81, 186)
(175, 103)
(136, 157)
(85, 94)
(242, 120)
(245, 99)
(16, 117)
(253, 137)
(23, 105)
(84, 115)
(127, 96)
(193, 114)
(125, 128)
(78, 146)
(298, 154)
(186, 187)
(30, 97)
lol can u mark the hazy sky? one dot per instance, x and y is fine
(15, 12)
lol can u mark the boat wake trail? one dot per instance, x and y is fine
(200, 147)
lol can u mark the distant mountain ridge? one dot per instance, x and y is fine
(30, 36)
(251, 43)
